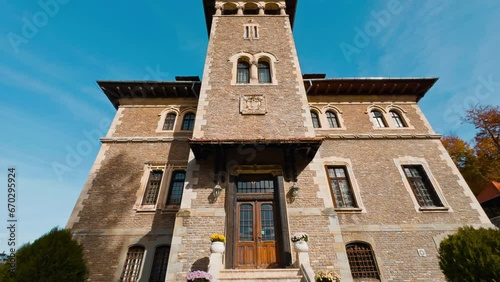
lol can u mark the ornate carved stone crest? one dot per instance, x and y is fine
(253, 105)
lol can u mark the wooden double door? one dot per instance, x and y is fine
(256, 239)
(257, 223)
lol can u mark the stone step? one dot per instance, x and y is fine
(261, 275)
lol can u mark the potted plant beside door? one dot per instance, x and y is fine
(326, 276)
(199, 276)
(300, 242)
(218, 241)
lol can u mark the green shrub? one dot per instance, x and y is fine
(471, 255)
(54, 257)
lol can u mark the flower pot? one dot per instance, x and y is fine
(217, 247)
(301, 246)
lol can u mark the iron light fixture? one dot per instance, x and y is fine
(217, 190)
(295, 190)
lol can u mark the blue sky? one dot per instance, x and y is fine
(51, 57)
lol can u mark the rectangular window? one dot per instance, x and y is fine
(160, 263)
(152, 188)
(341, 187)
(176, 188)
(422, 187)
(133, 263)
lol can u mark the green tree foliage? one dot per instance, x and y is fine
(54, 257)
(479, 163)
(471, 255)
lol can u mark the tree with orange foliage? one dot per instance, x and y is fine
(479, 164)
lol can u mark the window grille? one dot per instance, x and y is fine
(341, 188)
(133, 263)
(169, 121)
(422, 187)
(362, 261)
(153, 187)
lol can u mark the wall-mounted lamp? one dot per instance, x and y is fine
(294, 190)
(217, 190)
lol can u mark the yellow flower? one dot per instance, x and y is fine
(217, 238)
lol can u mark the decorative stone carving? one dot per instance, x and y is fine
(253, 105)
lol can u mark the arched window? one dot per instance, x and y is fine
(362, 261)
(243, 73)
(333, 121)
(229, 9)
(272, 9)
(251, 9)
(315, 120)
(264, 72)
(379, 118)
(133, 263)
(169, 121)
(160, 263)
(188, 121)
(396, 117)
(176, 188)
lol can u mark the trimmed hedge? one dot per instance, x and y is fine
(471, 255)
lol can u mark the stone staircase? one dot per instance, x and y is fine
(261, 275)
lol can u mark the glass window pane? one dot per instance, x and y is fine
(243, 73)
(169, 122)
(188, 122)
(176, 188)
(133, 263)
(152, 188)
(246, 223)
(267, 222)
(264, 72)
(160, 263)
(315, 120)
(332, 120)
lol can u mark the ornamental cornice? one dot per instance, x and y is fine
(380, 136)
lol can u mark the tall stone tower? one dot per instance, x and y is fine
(258, 151)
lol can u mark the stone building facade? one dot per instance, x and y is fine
(352, 162)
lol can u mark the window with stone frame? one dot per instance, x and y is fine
(160, 263)
(176, 188)
(421, 186)
(243, 72)
(398, 120)
(264, 71)
(251, 31)
(340, 187)
(315, 120)
(333, 120)
(153, 187)
(133, 262)
(169, 121)
(379, 118)
(188, 121)
(362, 261)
